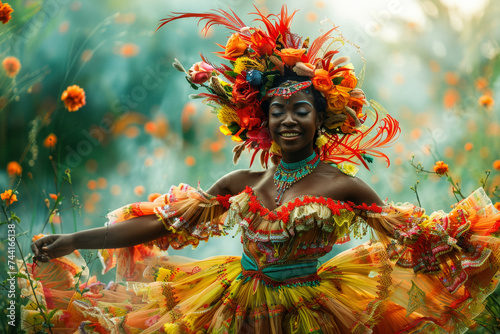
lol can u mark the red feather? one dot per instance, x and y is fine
(348, 147)
(218, 17)
(317, 44)
(281, 26)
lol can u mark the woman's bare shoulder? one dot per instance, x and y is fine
(236, 181)
(348, 188)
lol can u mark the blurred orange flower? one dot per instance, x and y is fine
(486, 101)
(496, 164)
(36, 237)
(441, 168)
(50, 141)
(139, 190)
(190, 160)
(481, 83)
(8, 197)
(12, 66)
(468, 146)
(73, 97)
(5, 11)
(14, 168)
(129, 50)
(497, 206)
(153, 196)
(54, 196)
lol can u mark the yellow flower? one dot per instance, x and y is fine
(337, 98)
(8, 197)
(348, 169)
(227, 115)
(441, 168)
(163, 275)
(245, 64)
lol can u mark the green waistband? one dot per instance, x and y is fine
(282, 272)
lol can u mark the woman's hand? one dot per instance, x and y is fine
(52, 246)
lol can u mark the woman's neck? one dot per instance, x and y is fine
(290, 157)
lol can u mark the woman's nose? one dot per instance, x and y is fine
(289, 119)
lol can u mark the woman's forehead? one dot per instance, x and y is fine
(297, 97)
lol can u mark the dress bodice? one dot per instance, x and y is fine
(302, 229)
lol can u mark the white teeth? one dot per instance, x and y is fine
(290, 134)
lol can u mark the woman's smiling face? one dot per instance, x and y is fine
(293, 123)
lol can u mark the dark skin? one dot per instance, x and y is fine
(293, 123)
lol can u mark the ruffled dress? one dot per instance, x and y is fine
(424, 274)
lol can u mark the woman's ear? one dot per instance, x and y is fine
(320, 117)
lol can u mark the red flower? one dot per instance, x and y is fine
(262, 43)
(243, 92)
(262, 136)
(249, 116)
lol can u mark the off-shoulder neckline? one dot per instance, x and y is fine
(313, 199)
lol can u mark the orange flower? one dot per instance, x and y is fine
(50, 141)
(12, 66)
(262, 43)
(322, 81)
(8, 197)
(349, 80)
(337, 98)
(486, 101)
(291, 56)
(468, 146)
(14, 168)
(139, 190)
(73, 97)
(497, 206)
(441, 168)
(235, 46)
(153, 196)
(36, 237)
(496, 164)
(5, 10)
(129, 50)
(54, 196)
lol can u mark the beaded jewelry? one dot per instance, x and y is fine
(289, 173)
(288, 88)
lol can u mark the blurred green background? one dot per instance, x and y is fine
(434, 65)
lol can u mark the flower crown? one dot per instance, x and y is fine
(257, 57)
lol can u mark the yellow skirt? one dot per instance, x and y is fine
(360, 291)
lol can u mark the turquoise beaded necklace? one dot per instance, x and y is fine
(288, 173)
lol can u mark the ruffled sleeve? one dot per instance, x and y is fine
(189, 214)
(453, 247)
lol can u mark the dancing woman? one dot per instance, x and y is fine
(290, 102)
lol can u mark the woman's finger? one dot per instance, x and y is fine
(34, 249)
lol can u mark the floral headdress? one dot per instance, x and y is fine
(258, 56)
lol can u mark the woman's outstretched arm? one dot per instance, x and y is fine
(125, 234)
